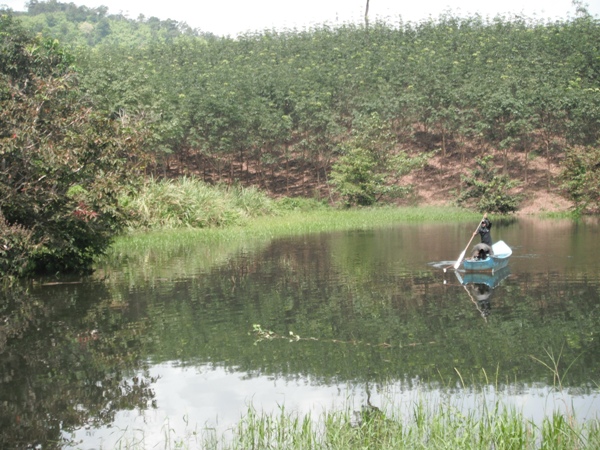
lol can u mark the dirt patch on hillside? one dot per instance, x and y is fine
(439, 183)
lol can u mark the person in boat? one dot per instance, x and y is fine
(484, 249)
(484, 231)
(481, 251)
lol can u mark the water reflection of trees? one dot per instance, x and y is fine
(64, 364)
(366, 322)
(69, 360)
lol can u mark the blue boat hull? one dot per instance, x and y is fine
(502, 253)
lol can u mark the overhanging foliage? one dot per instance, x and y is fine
(61, 163)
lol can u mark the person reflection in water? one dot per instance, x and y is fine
(481, 293)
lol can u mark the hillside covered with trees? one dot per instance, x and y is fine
(488, 106)
(259, 107)
(76, 25)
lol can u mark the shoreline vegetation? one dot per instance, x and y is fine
(168, 213)
(419, 423)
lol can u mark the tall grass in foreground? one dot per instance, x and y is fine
(441, 428)
(422, 427)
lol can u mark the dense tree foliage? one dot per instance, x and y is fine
(262, 105)
(81, 25)
(279, 109)
(581, 177)
(61, 163)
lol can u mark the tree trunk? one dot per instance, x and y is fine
(547, 142)
(287, 170)
(443, 142)
(526, 165)
(242, 164)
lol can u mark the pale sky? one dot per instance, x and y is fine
(231, 17)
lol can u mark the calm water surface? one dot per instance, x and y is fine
(173, 343)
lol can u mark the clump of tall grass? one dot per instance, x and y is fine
(420, 425)
(441, 427)
(190, 203)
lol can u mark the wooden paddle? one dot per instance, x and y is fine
(462, 255)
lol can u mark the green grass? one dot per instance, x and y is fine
(170, 216)
(360, 218)
(423, 426)
(188, 202)
(573, 215)
(292, 222)
(440, 427)
(218, 242)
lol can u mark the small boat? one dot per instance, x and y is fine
(492, 263)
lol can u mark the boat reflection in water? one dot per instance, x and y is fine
(480, 287)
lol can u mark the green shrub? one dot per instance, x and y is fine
(370, 166)
(581, 177)
(488, 191)
(300, 204)
(16, 244)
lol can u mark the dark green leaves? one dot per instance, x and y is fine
(51, 141)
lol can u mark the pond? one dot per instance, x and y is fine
(185, 341)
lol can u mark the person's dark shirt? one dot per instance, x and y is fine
(484, 231)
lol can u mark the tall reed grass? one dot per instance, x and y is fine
(422, 426)
(188, 202)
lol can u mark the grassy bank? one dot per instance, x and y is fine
(172, 213)
(185, 225)
(190, 203)
(143, 247)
